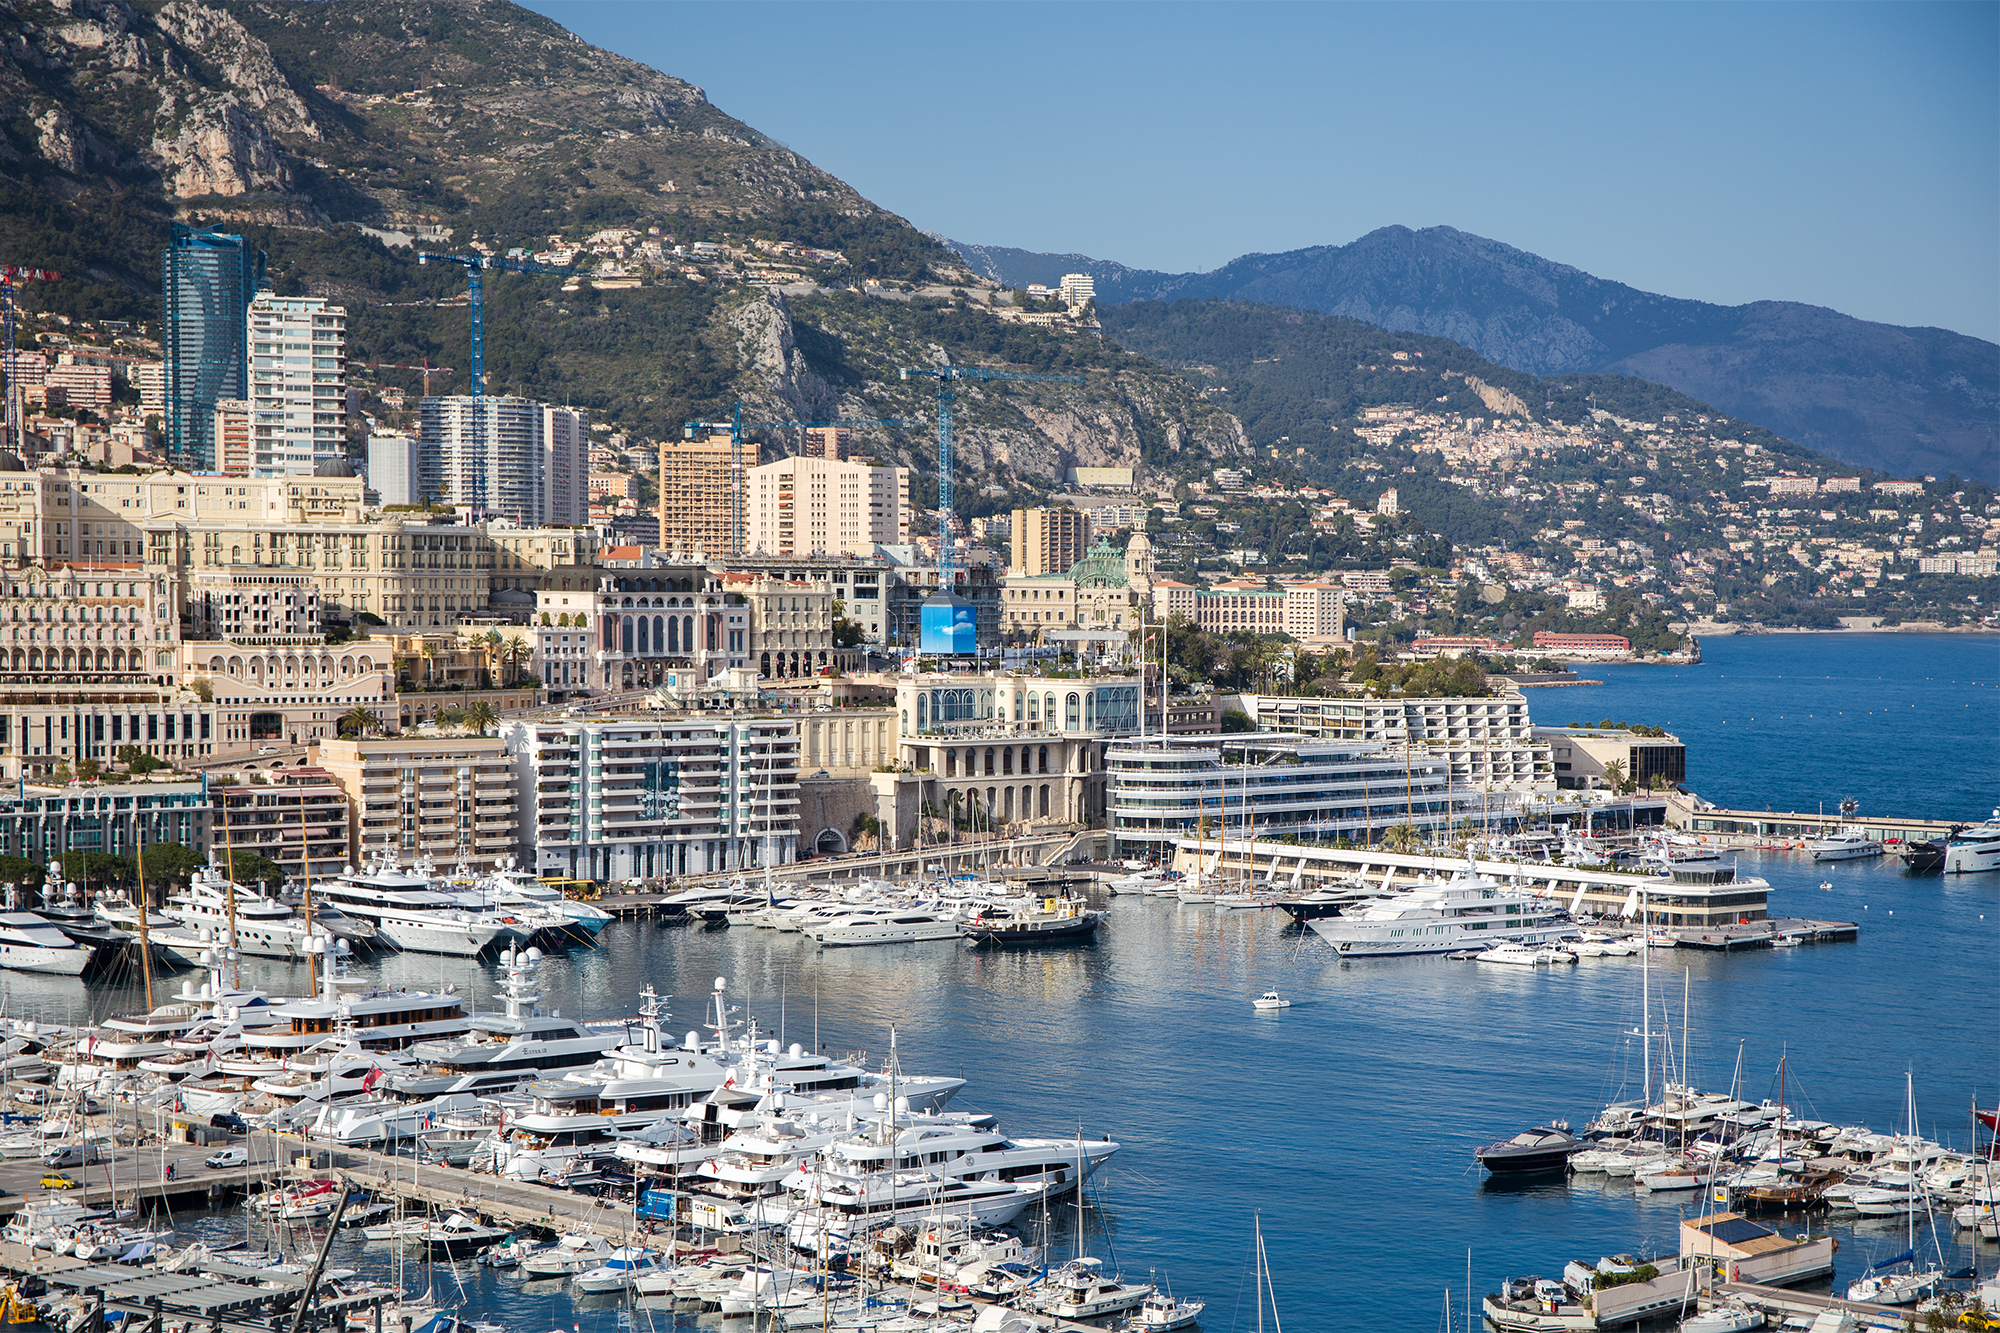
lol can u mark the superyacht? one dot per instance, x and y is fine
(1442, 916)
(411, 915)
(1974, 849)
(503, 1050)
(264, 928)
(28, 943)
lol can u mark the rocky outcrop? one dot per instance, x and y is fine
(242, 62)
(211, 144)
(769, 356)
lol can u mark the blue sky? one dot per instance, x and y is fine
(1845, 155)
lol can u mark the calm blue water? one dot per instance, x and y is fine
(1349, 1120)
(1906, 724)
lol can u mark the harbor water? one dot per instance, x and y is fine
(1348, 1122)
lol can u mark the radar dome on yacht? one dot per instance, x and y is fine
(691, 1041)
(721, 983)
(797, 1050)
(881, 1101)
(342, 946)
(534, 955)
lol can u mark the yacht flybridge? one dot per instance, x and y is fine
(503, 1050)
(1440, 916)
(410, 914)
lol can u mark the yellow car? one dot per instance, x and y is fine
(58, 1183)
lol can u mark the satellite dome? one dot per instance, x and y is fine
(333, 467)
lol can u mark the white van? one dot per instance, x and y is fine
(74, 1154)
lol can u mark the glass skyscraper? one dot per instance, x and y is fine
(207, 282)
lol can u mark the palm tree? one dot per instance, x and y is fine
(512, 654)
(360, 721)
(480, 715)
(1614, 777)
(430, 652)
(1401, 838)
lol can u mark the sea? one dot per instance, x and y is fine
(1344, 1127)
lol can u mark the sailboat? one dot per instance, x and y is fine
(1081, 1289)
(1914, 1284)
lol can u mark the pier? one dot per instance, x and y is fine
(1767, 828)
(1697, 916)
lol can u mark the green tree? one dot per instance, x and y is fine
(97, 870)
(1615, 777)
(22, 870)
(169, 864)
(359, 721)
(137, 760)
(253, 870)
(480, 716)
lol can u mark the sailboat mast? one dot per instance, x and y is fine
(1646, 1008)
(1258, 1222)
(145, 937)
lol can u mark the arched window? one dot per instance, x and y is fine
(626, 636)
(1007, 762)
(1070, 711)
(687, 633)
(923, 710)
(643, 635)
(1045, 763)
(1090, 711)
(673, 644)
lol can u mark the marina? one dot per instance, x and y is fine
(1372, 1082)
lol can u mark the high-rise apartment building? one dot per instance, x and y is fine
(827, 442)
(233, 454)
(207, 283)
(565, 467)
(298, 384)
(506, 458)
(1077, 290)
(395, 468)
(1048, 541)
(815, 506)
(697, 481)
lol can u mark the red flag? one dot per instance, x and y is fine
(373, 1077)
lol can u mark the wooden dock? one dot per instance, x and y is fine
(1810, 1304)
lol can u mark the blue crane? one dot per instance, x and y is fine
(473, 265)
(736, 425)
(944, 376)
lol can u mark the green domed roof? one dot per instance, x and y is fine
(1102, 566)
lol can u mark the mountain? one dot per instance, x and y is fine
(1906, 401)
(301, 122)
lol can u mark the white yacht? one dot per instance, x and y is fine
(413, 916)
(30, 944)
(904, 926)
(955, 1151)
(383, 1020)
(1974, 849)
(637, 1086)
(265, 928)
(847, 1209)
(1442, 916)
(511, 886)
(503, 1050)
(1848, 844)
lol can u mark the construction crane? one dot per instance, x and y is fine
(426, 369)
(9, 275)
(474, 265)
(944, 376)
(736, 425)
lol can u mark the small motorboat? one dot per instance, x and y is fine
(1730, 1317)
(1161, 1313)
(1826, 884)
(1270, 999)
(1526, 955)
(1543, 1148)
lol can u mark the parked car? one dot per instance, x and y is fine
(229, 1157)
(58, 1183)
